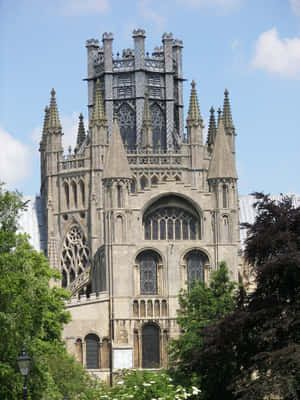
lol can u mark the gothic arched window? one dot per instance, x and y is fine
(171, 218)
(225, 196)
(92, 351)
(75, 255)
(150, 346)
(195, 263)
(82, 193)
(74, 193)
(126, 120)
(148, 262)
(67, 195)
(158, 126)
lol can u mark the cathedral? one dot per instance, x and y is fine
(140, 207)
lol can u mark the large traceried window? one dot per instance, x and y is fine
(196, 261)
(75, 255)
(172, 218)
(126, 121)
(148, 262)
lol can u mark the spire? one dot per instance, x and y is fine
(81, 131)
(212, 129)
(219, 115)
(98, 117)
(146, 124)
(222, 164)
(227, 118)
(194, 117)
(46, 120)
(53, 124)
(116, 163)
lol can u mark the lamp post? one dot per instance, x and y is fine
(23, 362)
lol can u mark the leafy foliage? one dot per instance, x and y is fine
(254, 352)
(201, 306)
(146, 385)
(31, 313)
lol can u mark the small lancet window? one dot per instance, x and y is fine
(67, 195)
(74, 190)
(225, 196)
(119, 196)
(82, 193)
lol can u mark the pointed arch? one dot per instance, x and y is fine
(225, 196)
(154, 180)
(126, 121)
(82, 193)
(75, 254)
(172, 217)
(144, 182)
(66, 194)
(225, 228)
(74, 194)
(158, 126)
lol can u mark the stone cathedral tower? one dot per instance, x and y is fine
(139, 208)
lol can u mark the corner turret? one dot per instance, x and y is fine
(212, 130)
(81, 132)
(228, 124)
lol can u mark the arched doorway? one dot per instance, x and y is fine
(150, 346)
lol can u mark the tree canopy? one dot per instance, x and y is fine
(200, 306)
(31, 313)
(254, 352)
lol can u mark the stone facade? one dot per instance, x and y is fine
(139, 208)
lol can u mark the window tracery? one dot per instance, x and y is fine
(148, 262)
(195, 262)
(74, 256)
(126, 121)
(171, 223)
(158, 126)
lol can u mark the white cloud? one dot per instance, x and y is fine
(295, 4)
(148, 13)
(223, 4)
(85, 7)
(235, 44)
(276, 55)
(15, 159)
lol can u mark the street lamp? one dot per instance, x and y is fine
(23, 362)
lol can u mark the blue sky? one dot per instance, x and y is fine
(252, 47)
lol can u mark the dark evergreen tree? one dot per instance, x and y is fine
(254, 352)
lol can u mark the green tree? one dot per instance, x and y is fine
(200, 306)
(31, 313)
(254, 352)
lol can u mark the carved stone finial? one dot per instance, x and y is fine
(92, 43)
(107, 36)
(167, 36)
(138, 33)
(177, 43)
